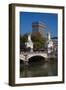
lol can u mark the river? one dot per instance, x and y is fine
(38, 67)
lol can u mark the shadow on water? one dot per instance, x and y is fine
(37, 66)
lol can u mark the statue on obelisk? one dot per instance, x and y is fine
(29, 43)
(49, 43)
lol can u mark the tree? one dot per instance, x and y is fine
(38, 40)
(23, 39)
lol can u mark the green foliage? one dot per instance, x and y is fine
(38, 40)
(23, 39)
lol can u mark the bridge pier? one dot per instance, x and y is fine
(46, 59)
(26, 62)
(26, 59)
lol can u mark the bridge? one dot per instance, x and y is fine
(28, 55)
(25, 56)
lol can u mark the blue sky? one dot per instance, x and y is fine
(50, 19)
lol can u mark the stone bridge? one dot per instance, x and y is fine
(26, 56)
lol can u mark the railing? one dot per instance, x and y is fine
(33, 52)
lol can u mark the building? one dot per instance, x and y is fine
(39, 27)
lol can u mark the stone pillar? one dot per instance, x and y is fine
(46, 59)
(26, 60)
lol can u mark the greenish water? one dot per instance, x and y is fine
(38, 67)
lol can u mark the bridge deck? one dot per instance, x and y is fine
(27, 55)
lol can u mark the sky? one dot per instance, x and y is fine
(50, 19)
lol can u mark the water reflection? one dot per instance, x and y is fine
(37, 67)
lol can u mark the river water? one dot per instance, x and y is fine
(38, 67)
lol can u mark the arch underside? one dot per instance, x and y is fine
(36, 58)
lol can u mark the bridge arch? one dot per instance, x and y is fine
(36, 55)
(30, 56)
(36, 58)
